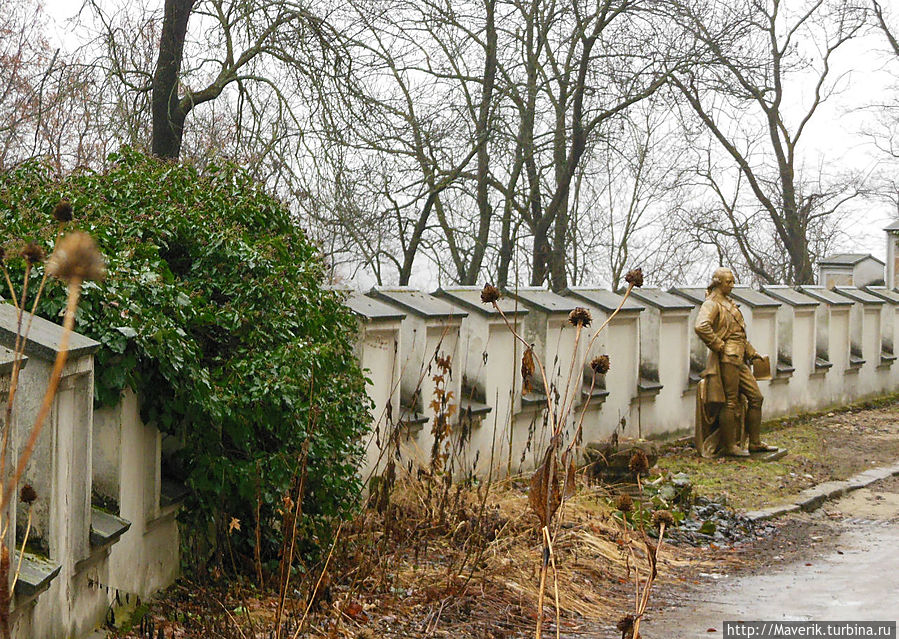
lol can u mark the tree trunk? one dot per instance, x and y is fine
(168, 117)
(485, 211)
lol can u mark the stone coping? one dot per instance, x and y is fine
(472, 408)
(469, 298)
(371, 309)
(544, 299)
(44, 336)
(884, 293)
(604, 299)
(754, 299)
(858, 295)
(789, 295)
(825, 295)
(106, 528)
(662, 300)
(695, 294)
(36, 574)
(418, 303)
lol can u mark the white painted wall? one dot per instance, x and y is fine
(663, 340)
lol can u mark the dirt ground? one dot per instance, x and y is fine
(832, 445)
(440, 590)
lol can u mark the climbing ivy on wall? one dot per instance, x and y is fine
(214, 310)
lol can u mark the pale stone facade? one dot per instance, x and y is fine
(102, 525)
(827, 347)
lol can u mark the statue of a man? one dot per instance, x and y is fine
(729, 402)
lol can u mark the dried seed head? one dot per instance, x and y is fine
(662, 516)
(27, 494)
(527, 370)
(62, 212)
(2, 253)
(625, 625)
(77, 257)
(33, 253)
(490, 294)
(580, 317)
(634, 277)
(624, 503)
(639, 463)
(600, 364)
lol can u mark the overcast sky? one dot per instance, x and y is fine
(835, 135)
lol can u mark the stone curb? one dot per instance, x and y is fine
(812, 498)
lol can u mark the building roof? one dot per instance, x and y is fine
(371, 309)
(742, 294)
(825, 295)
(543, 299)
(753, 298)
(858, 295)
(789, 295)
(418, 303)
(695, 294)
(604, 299)
(884, 293)
(44, 336)
(469, 298)
(661, 299)
(847, 259)
(892, 227)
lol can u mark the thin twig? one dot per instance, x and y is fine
(318, 583)
(12, 588)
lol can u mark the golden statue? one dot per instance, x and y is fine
(728, 401)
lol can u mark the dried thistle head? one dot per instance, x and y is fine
(660, 517)
(624, 503)
(600, 364)
(490, 294)
(28, 494)
(77, 257)
(625, 625)
(634, 277)
(33, 253)
(62, 212)
(527, 370)
(580, 316)
(639, 464)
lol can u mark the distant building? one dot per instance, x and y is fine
(850, 269)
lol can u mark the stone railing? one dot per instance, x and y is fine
(827, 347)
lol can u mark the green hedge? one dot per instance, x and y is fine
(214, 310)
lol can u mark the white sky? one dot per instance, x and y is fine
(835, 134)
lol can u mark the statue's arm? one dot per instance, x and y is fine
(750, 352)
(708, 313)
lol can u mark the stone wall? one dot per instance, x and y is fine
(103, 525)
(827, 347)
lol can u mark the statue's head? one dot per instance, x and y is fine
(722, 280)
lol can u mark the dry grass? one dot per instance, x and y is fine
(401, 573)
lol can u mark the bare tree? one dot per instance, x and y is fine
(252, 51)
(630, 184)
(749, 100)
